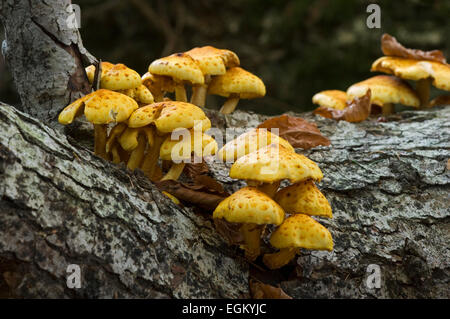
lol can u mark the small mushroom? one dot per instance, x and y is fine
(181, 68)
(166, 117)
(334, 99)
(113, 147)
(440, 100)
(212, 62)
(297, 231)
(135, 141)
(386, 91)
(252, 209)
(179, 152)
(100, 108)
(268, 166)
(236, 84)
(249, 142)
(423, 71)
(158, 85)
(303, 198)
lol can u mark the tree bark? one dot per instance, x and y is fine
(45, 54)
(387, 183)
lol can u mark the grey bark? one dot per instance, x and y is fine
(45, 54)
(61, 205)
(388, 184)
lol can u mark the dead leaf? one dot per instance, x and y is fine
(205, 197)
(194, 169)
(448, 164)
(263, 291)
(229, 231)
(357, 111)
(391, 47)
(297, 131)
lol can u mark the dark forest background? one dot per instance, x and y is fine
(297, 47)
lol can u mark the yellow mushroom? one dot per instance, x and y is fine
(236, 84)
(303, 198)
(269, 165)
(334, 99)
(253, 209)
(100, 108)
(386, 91)
(297, 231)
(212, 62)
(182, 69)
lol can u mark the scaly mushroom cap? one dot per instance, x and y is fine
(301, 231)
(142, 94)
(249, 206)
(158, 83)
(169, 116)
(250, 142)
(90, 70)
(213, 61)
(303, 198)
(385, 89)
(334, 99)
(275, 163)
(201, 145)
(410, 69)
(179, 66)
(100, 107)
(237, 81)
(120, 77)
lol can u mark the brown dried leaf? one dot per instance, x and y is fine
(357, 111)
(192, 170)
(391, 47)
(263, 291)
(297, 131)
(205, 197)
(229, 231)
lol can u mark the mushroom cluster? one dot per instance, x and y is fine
(264, 160)
(402, 65)
(207, 70)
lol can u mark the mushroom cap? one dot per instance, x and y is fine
(120, 77)
(179, 66)
(237, 81)
(197, 143)
(250, 206)
(249, 142)
(169, 116)
(213, 61)
(303, 198)
(158, 83)
(142, 94)
(90, 70)
(410, 69)
(275, 163)
(334, 99)
(100, 107)
(385, 89)
(301, 231)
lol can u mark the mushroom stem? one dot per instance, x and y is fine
(180, 93)
(252, 239)
(423, 90)
(230, 105)
(151, 159)
(281, 258)
(199, 92)
(174, 171)
(137, 155)
(388, 109)
(100, 137)
(116, 159)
